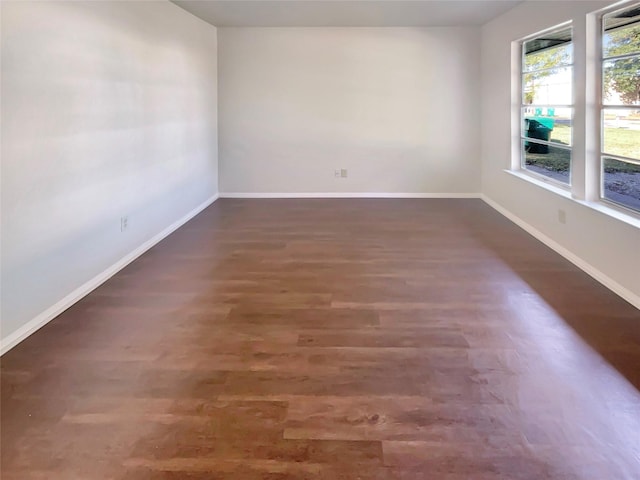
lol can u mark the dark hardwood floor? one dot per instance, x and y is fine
(333, 339)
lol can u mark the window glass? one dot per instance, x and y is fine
(621, 132)
(548, 87)
(620, 116)
(621, 34)
(547, 98)
(550, 123)
(548, 160)
(541, 59)
(621, 81)
(621, 182)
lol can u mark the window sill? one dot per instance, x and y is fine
(629, 218)
(546, 184)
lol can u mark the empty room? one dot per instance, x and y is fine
(320, 240)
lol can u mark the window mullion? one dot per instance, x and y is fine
(592, 101)
(622, 57)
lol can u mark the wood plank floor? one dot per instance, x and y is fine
(333, 339)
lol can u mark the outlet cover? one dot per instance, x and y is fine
(562, 216)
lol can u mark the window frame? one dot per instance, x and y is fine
(602, 107)
(521, 137)
(587, 175)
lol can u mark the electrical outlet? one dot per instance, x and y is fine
(336, 173)
(562, 216)
(124, 223)
(343, 173)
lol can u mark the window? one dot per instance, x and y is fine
(597, 158)
(620, 111)
(546, 108)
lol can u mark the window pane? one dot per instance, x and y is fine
(621, 132)
(621, 182)
(547, 58)
(547, 160)
(621, 81)
(551, 123)
(621, 33)
(547, 87)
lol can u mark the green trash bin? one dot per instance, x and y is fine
(539, 128)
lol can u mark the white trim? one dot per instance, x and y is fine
(619, 212)
(615, 106)
(83, 290)
(347, 195)
(621, 158)
(559, 26)
(608, 282)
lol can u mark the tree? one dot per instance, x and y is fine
(623, 76)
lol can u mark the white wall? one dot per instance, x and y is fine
(606, 246)
(108, 109)
(397, 107)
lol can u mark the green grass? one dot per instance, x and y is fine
(561, 134)
(614, 166)
(623, 142)
(555, 160)
(619, 141)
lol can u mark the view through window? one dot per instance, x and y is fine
(620, 115)
(547, 105)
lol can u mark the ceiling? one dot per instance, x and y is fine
(346, 13)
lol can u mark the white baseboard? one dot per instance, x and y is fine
(583, 265)
(49, 314)
(347, 195)
(82, 291)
